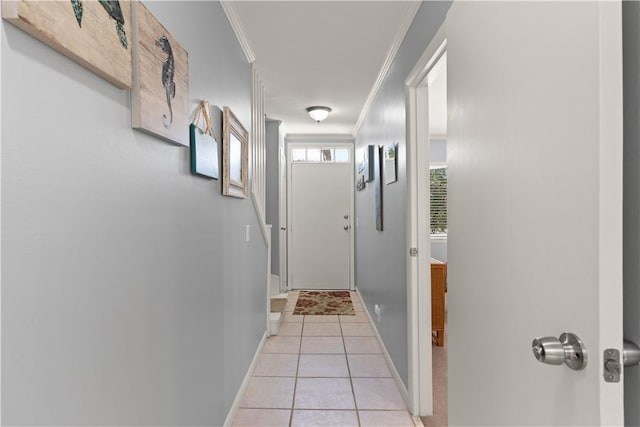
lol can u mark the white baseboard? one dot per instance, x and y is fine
(274, 285)
(243, 387)
(385, 353)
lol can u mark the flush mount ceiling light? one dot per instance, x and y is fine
(318, 113)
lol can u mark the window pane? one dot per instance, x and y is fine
(298, 155)
(342, 154)
(327, 155)
(313, 154)
(438, 199)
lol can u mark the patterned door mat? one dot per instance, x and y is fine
(324, 303)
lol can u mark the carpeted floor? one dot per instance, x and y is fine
(278, 305)
(324, 303)
(440, 416)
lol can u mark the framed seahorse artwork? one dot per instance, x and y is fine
(160, 93)
(95, 34)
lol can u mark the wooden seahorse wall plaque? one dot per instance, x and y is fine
(160, 94)
(95, 34)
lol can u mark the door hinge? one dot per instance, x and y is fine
(413, 252)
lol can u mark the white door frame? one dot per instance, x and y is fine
(325, 144)
(420, 385)
(282, 211)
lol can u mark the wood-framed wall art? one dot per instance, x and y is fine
(96, 35)
(366, 165)
(160, 93)
(235, 156)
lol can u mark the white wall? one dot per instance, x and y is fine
(129, 296)
(631, 273)
(381, 256)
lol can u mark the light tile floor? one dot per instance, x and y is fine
(323, 371)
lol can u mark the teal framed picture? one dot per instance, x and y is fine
(204, 153)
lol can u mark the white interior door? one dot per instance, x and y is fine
(535, 208)
(320, 232)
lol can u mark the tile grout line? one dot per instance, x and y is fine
(295, 382)
(346, 356)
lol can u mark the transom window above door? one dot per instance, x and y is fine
(320, 155)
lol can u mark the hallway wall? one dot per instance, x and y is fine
(272, 201)
(129, 295)
(381, 256)
(631, 267)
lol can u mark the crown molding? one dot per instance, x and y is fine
(238, 29)
(384, 70)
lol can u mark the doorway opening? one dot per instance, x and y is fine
(426, 94)
(436, 188)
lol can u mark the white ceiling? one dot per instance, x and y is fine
(320, 53)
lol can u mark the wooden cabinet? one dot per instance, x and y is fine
(438, 289)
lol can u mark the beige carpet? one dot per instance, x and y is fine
(278, 305)
(440, 416)
(324, 303)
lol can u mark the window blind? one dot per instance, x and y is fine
(438, 200)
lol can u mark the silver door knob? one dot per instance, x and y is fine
(630, 353)
(568, 350)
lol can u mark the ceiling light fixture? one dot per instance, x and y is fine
(318, 113)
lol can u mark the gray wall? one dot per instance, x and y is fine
(439, 250)
(631, 45)
(129, 296)
(381, 256)
(272, 202)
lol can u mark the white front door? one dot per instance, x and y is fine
(320, 212)
(535, 209)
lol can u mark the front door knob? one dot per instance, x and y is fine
(568, 350)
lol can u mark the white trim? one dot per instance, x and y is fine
(386, 66)
(245, 383)
(385, 353)
(268, 229)
(429, 57)
(420, 386)
(264, 228)
(238, 29)
(257, 151)
(610, 204)
(282, 178)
